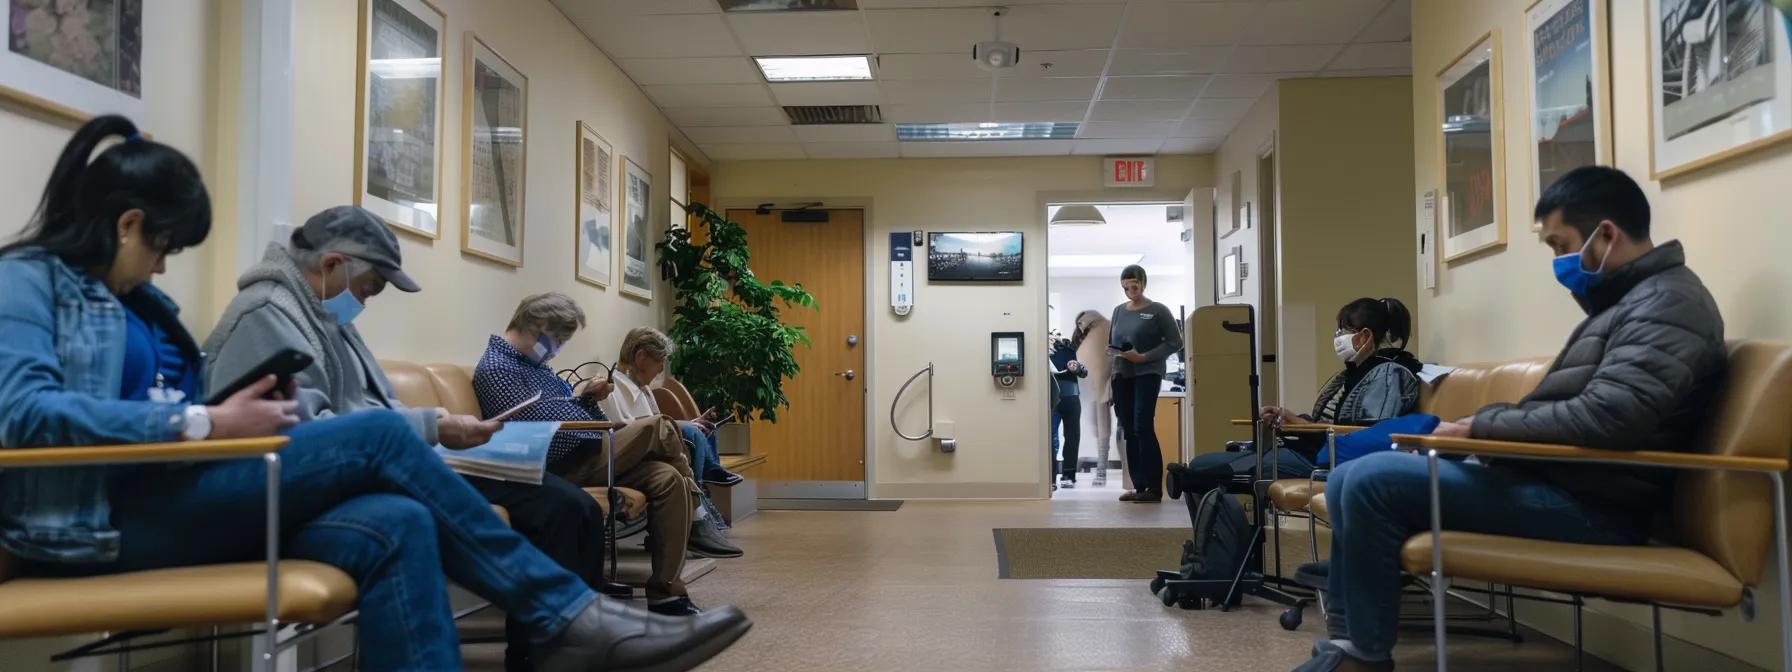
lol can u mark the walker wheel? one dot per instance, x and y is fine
(1157, 585)
(1169, 597)
(1291, 618)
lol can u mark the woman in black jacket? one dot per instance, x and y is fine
(1067, 408)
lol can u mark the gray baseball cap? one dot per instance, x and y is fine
(358, 233)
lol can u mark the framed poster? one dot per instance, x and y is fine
(496, 140)
(593, 237)
(1570, 88)
(637, 268)
(1721, 76)
(398, 107)
(1238, 216)
(75, 59)
(1471, 151)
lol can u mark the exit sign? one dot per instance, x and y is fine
(1129, 171)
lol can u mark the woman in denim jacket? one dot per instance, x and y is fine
(92, 354)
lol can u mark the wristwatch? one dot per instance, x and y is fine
(199, 424)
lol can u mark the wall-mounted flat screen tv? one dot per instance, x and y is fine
(974, 257)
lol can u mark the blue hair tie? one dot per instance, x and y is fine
(134, 137)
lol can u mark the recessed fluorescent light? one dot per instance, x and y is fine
(1092, 260)
(814, 68)
(988, 130)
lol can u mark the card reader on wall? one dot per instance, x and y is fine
(1007, 361)
(902, 272)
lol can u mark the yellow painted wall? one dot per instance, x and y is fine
(1731, 217)
(999, 452)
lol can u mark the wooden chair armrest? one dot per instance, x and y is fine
(1544, 451)
(586, 426)
(1242, 423)
(141, 453)
(1304, 427)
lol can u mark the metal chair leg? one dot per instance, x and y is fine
(1660, 661)
(1579, 649)
(1439, 584)
(1785, 567)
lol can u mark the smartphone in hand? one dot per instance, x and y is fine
(283, 365)
(508, 414)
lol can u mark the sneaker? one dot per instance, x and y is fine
(1101, 478)
(716, 475)
(1067, 481)
(1329, 657)
(708, 542)
(1315, 575)
(682, 606)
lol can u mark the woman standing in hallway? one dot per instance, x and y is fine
(1142, 337)
(1090, 340)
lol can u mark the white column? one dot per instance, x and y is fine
(264, 144)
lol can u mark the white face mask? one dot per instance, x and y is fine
(1342, 345)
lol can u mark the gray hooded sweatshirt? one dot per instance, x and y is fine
(276, 309)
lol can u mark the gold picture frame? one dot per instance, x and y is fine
(636, 222)
(1566, 33)
(1472, 180)
(39, 81)
(594, 235)
(487, 181)
(413, 213)
(1700, 142)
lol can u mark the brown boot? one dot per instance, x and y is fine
(1148, 497)
(1129, 495)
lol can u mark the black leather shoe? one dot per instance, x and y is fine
(611, 636)
(682, 606)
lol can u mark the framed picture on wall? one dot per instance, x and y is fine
(1471, 151)
(1569, 87)
(495, 149)
(398, 130)
(1239, 218)
(1721, 76)
(637, 266)
(1232, 272)
(593, 233)
(72, 60)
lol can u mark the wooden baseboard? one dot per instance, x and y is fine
(957, 491)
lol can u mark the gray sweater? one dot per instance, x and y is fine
(1151, 331)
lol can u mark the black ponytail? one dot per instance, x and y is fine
(77, 218)
(1388, 319)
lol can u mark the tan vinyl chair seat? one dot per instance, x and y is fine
(1292, 494)
(1316, 506)
(1663, 574)
(310, 592)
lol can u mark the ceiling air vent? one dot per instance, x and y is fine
(787, 5)
(805, 115)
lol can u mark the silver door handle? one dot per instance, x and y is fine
(848, 374)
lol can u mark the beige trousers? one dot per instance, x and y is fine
(650, 457)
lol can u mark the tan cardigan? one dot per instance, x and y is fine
(1093, 355)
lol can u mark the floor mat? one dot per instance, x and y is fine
(1087, 552)
(829, 504)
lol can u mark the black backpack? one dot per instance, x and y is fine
(1222, 536)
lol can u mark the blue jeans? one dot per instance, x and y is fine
(1379, 501)
(703, 459)
(363, 493)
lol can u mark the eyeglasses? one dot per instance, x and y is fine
(1342, 331)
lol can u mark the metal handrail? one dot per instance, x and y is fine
(898, 400)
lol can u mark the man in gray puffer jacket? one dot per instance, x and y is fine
(1639, 373)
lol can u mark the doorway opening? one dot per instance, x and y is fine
(1089, 245)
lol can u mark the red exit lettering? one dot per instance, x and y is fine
(1129, 171)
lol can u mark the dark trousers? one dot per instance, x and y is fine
(1069, 415)
(565, 523)
(1135, 401)
(1213, 470)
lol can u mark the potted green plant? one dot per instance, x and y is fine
(733, 352)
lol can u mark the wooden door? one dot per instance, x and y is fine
(817, 447)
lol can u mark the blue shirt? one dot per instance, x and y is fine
(506, 377)
(152, 359)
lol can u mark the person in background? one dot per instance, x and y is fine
(1090, 341)
(305, 296)
(1380, 381)
(649, 456)
(1639, 373)
(92, 354)
(641, 361)
(1144, 334)
(1067, 407)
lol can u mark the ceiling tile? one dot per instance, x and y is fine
(1281, 59)
(697, 117)
(1061, 111)
(827, 93)
(719, 95)
(959, 65)
(740, 135)
(1377, 72)
(1189, 145)
(1139, 110)
(1242, 86)
(1059, 26)
(800, 33)
(853, 150)
(938, 91)
(936, 113)
(1041, 89)
(1159, 25)
(845, 133)
(1310, 21)
(1152, 88)
(1190, 61)
(1105, 147)
(1231, 109)
(987, 148)
(928, 31)
(757, 152)
(610, 8)
(676, 36)
(1060, 63)
(1373, 55)
(1098, 130)
(1205, 128)
(689, 71)
(1394, 24)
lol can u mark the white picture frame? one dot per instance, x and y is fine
(400, 106)
(1568, 88)
(1699, 117)
(494, 155)
(635, 202)
(72, 71)
(594, 208)
(1471, 153)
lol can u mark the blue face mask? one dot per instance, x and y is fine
(344, 305)
(545, 348)
(1570, 273)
